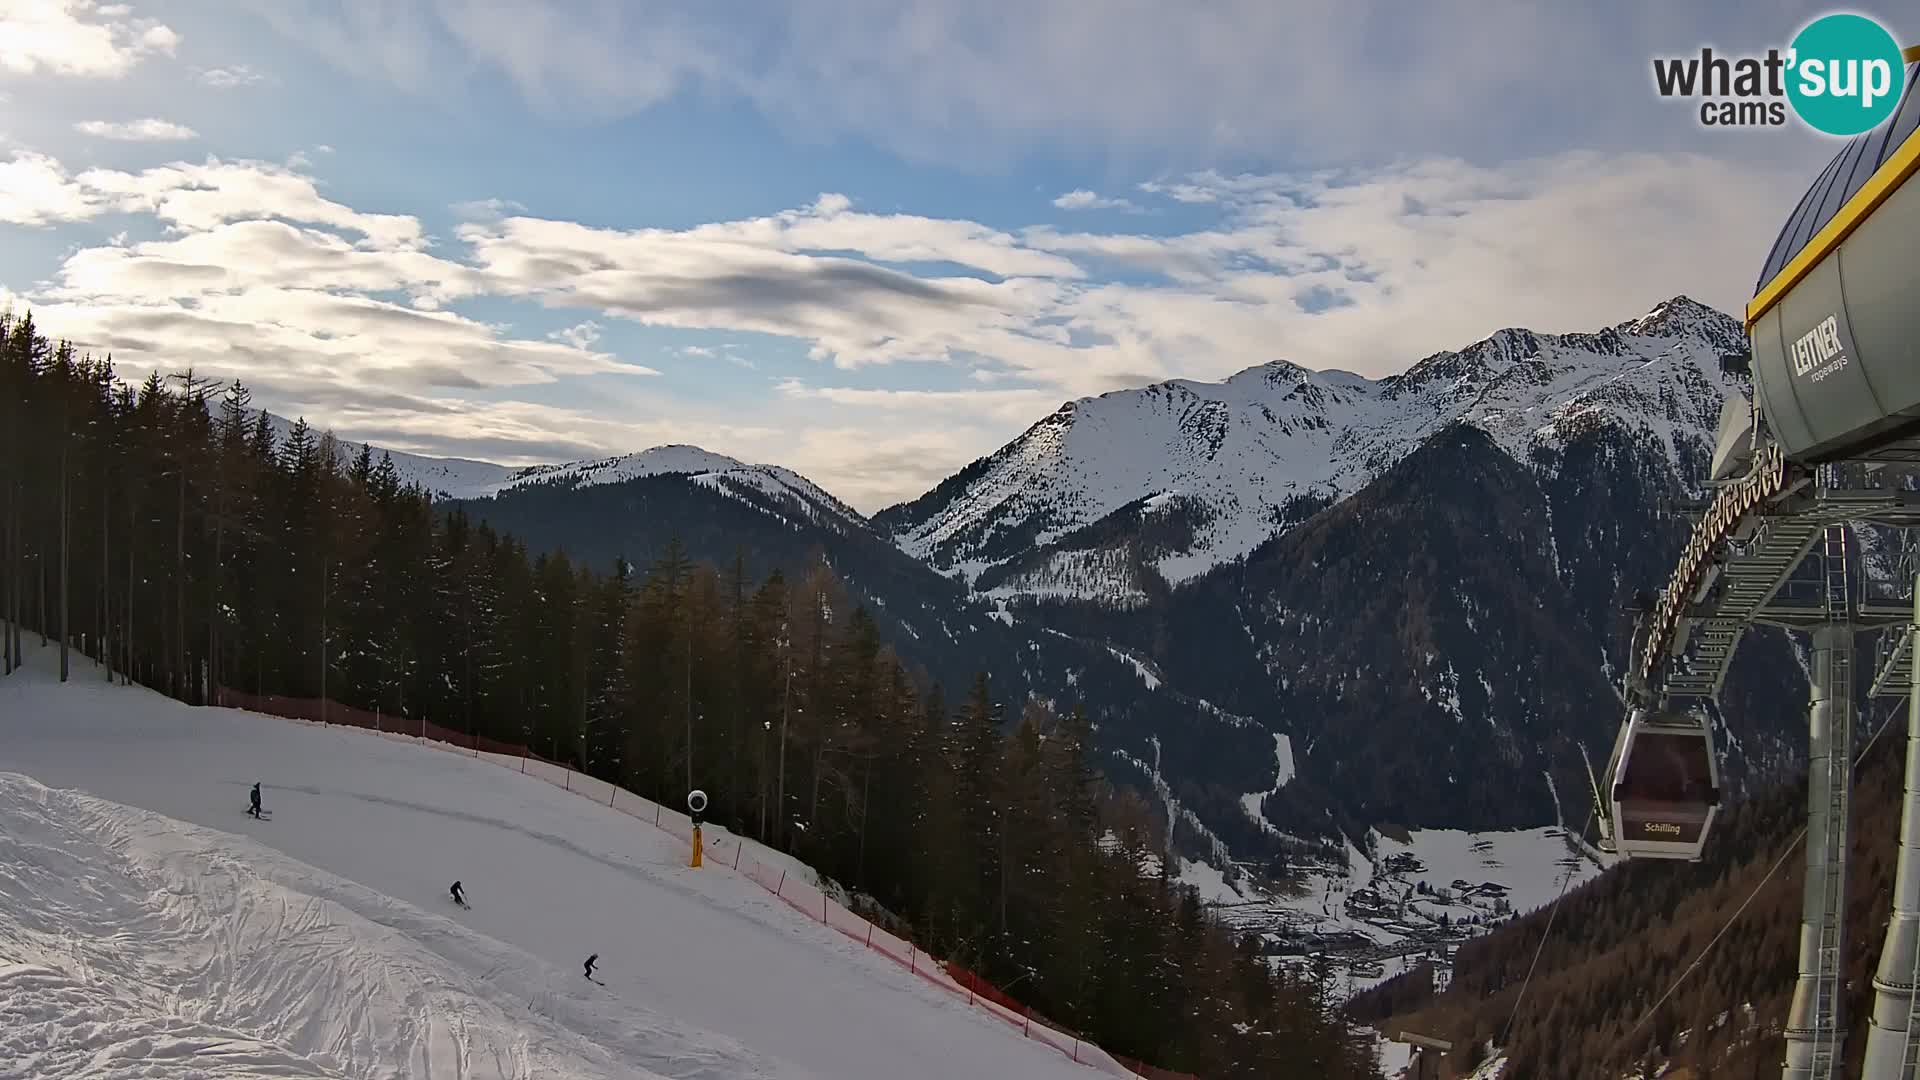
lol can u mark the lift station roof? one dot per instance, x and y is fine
(1835, 317)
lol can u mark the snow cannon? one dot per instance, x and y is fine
(1833, 323)
(696, 806)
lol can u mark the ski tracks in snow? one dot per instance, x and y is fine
(134, 946)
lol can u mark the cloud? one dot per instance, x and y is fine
(231, 257)
(77, 38)
(148, 130)
(485, 209)
(198, 197)
(36, 190)
(257, 273)
(580, 336)
(229, 78)
(979, 85)
(1012, 406)
(1082, 199)
(742, 276)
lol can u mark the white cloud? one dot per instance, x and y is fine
(198, 197)
(148, 130)
(79, 38)
(979, 84)
(485, 209)
(580, 336)
(260, 275)
(232, 257)
(229, 78)
(36, 190)
(1082, 199)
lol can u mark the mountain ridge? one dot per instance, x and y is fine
(1248, 453)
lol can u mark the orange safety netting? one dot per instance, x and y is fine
(772, 871)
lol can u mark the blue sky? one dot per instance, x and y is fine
(868, 241)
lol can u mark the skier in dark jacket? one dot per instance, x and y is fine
(590, 961)
(458, 896)
(253, 808)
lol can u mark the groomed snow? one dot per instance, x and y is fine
(324, 935)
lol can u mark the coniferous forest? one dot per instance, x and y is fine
(165, 535)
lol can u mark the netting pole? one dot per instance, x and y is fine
(656, 815)
(1076, 1049)
(376, 720)
(823, 906)
(869, 935)
(1029, 1031)
(610, 797)
(737, 845)
(782, 885)
(913, 958)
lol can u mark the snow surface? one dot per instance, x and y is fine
(1530, 863)
(1241, 449)
(321, 942)
(1284, 771)
(715, 471)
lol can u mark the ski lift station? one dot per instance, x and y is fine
(1830, 443)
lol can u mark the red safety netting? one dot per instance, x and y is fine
(780, 875)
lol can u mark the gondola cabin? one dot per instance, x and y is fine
(1663, 788)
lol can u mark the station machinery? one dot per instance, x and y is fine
(1830, 442)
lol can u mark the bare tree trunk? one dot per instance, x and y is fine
(866, 792)
(689, 689)
(325, 569)
(66, 538)
(127, 636)
(780, 791)
(181, 677)
(106, 579)
(6, 580)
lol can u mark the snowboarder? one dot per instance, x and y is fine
(253, 807)
(459, 897)
(590, 961)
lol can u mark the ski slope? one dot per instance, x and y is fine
(149, 928)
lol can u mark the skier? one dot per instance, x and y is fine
(590, 961)
(253, 808)
(458, 896)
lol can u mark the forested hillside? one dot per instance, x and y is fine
(1623, 940)
(190, 549)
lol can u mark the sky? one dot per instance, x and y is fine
(867, 241)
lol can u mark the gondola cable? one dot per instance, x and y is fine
(1552, 912)
(1731, 919)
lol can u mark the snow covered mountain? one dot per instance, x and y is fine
(1284, 559)
(1111, 499)
(443, 478)
(768, 486)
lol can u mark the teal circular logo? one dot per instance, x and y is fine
(1844, 74)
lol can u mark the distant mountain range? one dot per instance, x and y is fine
(1294, 602)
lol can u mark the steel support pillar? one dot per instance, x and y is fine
(1815, 1025)
(1893, 1033)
